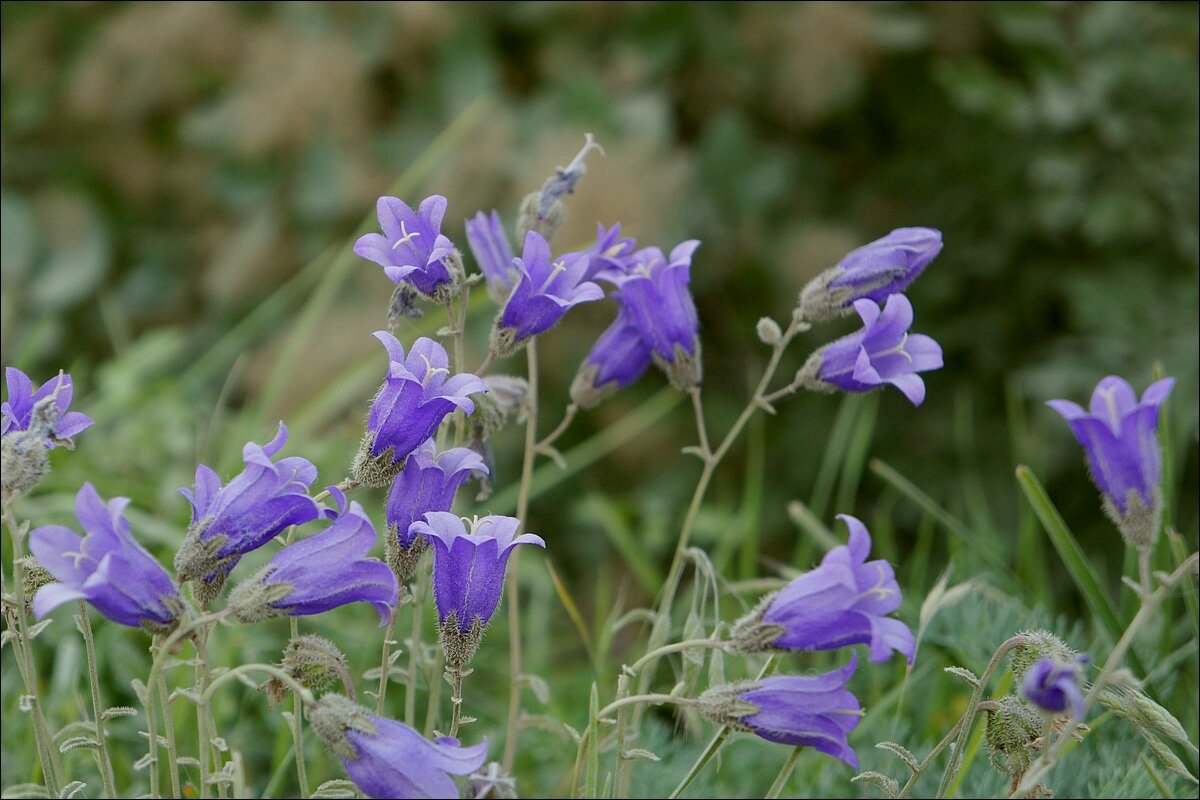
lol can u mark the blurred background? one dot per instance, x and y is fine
(181, 183)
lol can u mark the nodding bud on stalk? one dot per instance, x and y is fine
(543, 211)
(1038, 644)
(1011, 728)
(315, 663)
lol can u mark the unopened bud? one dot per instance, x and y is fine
(315, 663)
(769, 332)
(543, 211)
(403, 306)
(33, 578)
(1011, 728)
(23, 464)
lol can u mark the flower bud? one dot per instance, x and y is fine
(33, 578)
(333, 716)
(543, 211)
(1011, 728)
(769, 332)
(315, 663)
(402, 306)
(23, 464)
(1039, 644)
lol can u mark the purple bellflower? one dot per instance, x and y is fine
(804, 711)
(388, 759)
(1119, 435)
(16, 414)
(872, 272)
(468, 574)
(489, 245)
(882, 352)
(618, 358)
(322, 572)
(843, 602)
(107, 568)
(546, 289)
(412, 248)
(416, 396)
(611, 255)
(654, 291)
(231, 520)
(428, 482)
(1055, 687)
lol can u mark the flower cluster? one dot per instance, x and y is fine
(32, 422)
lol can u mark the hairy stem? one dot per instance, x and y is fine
(514, 605)
(968, 718)
(385, 664)
(677, 647)
(929, 758)
(164, 700)
(89, 645)
(23, 646)
(456, 699)
(414, 653)
(552, 437)
(298, 727)
(662, 622)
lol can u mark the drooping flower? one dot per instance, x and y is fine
(882, 352)
(611, 255)
(845, 601)
(618, 358)
(654, 291)
(106, 567)
(468, 574)
(544, 211)
(388, 759)
(231, 520)
(428, 482)
(1054, 687)
(1119, 435)
(545, 291)
(412, 248)
(17, 412)
(322, 572)
(872, 272)
(416, 396)
(489, 245)
(804, 711)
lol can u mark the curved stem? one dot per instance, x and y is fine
(968, 718)
(514, 606)
(929, 758)
(781, 779)
(89, 645)
(651, 699)
(553, 436)
(690, 644)
(483, 368)
(225, 677)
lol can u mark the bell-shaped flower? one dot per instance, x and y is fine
(387, 759)
(416, 396)
(845, 601)
(428, 482)
(231, 520)
(882, 352)
(611, 255)
(489, 245)
(1119, 436)
(322, 572)
(618, 358)
(106, 567)
(654, 290)
(1054, 687)
(803, 711)
(412, 248)
(468, 574)
(872, 272)
(545, 290)
(16, 414)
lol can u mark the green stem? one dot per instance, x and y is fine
(89, 645)
(554, 435)
(435, 695)
(662, 622)
(456, 699)
(619, 789)
(385, 665)
(715, 743)
(169, 734)
(514, 605)
(929, 758)
(225, 677)
(26, 664)
(1148, 609)
(414, 653)
(298, 727)
(968, 717)
(781, 779)
(690, 644)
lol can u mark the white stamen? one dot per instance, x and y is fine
(406, 237)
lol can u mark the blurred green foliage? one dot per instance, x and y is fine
(170, 168)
